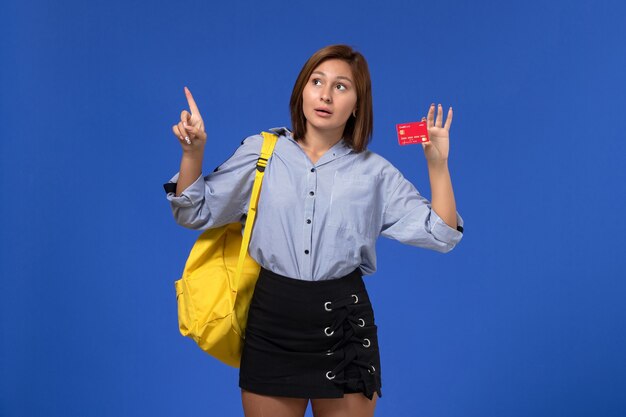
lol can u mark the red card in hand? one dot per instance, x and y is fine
(410, 133)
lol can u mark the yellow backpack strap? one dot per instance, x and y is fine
(269, 141)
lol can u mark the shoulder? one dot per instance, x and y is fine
(280, 131)
(245, 155)
(251, 142)
(376, 164)
(256, 140)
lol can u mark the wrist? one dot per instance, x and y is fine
(194, 155)
(438, 164)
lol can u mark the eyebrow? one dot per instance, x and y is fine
(340, 77)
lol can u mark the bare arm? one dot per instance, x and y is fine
(442, 199)
(436, 152)
(192, 138)
(190, 170)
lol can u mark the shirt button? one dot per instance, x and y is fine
(306, 251)
(311, 193)
(308, 221)
(312, 169)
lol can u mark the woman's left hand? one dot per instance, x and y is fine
(439, 146)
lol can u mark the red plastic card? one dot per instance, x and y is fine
(410, 133)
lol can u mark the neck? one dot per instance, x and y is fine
(321, 140)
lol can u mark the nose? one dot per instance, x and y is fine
(325, 96)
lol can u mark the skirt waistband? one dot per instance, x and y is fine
(347, 282)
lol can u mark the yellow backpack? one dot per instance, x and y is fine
(218, 281)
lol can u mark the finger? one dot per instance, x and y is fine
(439, 116)
(185, 116)
(431, 114)
(192, 103)
(182, 136)
(448, 119)
(177, 132)
(186, 136)
(194, 132)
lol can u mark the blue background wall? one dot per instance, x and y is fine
(525, 317)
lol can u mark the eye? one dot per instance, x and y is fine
(316, 81)
(341, 87)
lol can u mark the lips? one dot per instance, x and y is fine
(323, 110)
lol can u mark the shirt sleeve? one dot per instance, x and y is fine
(409, 218)
(220, 197)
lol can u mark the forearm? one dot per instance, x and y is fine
(442, 199)
(190, 170)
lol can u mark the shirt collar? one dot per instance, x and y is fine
(339, 149)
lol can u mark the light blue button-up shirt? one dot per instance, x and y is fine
(314, 221)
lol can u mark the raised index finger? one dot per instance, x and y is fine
(192, 103)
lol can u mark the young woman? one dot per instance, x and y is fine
(325, 200)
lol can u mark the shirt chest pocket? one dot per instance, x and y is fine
(353, 203)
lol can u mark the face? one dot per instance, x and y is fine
(329, 97)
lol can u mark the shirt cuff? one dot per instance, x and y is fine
(444, 233)
(191, 196)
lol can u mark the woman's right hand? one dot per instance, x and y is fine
(190, 129)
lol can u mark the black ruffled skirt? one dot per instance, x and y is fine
(310, 339)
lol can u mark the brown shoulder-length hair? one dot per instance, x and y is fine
(358, 131)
